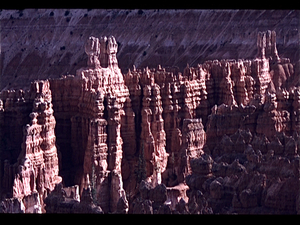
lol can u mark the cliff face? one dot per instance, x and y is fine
(43, 43)
(219, 137)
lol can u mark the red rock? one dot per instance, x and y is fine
(216, 189)
(58, 201)
(296, 109)
(177, 194)
(141, 206)
(153, 134)
(281, 195)
(105, 93)
(228, 129)
(92, 49)
(37, 162)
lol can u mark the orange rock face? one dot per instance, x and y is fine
(36, 169)
(221, 137)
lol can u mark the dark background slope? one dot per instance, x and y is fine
(43, 43)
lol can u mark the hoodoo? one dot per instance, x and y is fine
(221, 137)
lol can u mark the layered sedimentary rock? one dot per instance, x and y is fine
(153, 136)
(221, 137)
(38, 159)
(193, 140)
(43, 43)
(100, 113)
(36, 170)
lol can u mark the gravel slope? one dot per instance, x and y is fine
(43, 43)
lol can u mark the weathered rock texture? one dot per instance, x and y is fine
(35, 171)
(96, 145)
(59, 201)
(43, 43)
(221, 137)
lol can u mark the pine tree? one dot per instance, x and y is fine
(141, 171)
(93, 185)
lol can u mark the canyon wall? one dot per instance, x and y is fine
(44, 43)
(206, 139)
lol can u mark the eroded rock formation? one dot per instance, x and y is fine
(221, 137)
(36, 169)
